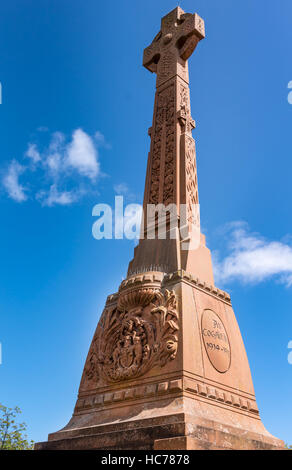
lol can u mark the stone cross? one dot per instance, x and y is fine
(171, 177)
(169, 51)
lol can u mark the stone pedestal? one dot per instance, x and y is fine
(192, 390)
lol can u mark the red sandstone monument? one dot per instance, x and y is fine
(167, 367)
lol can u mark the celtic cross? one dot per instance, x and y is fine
(169, 51)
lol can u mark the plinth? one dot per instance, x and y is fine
(187, 387)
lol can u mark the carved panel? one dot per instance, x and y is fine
(170, 151)
(141, 332)
(184, 97)
(192, 198)
(163, 148)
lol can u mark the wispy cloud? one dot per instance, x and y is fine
(100, 139)
(122, 189)
(63, 166)
(252, 258)
(54, 197)
(42, 129)
(53, 156)
(32, 153)
(11, 182)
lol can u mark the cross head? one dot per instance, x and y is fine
(169, 51)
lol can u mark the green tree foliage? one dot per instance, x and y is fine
(12, 435)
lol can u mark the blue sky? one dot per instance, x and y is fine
(73, 84)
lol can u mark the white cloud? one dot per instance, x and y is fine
(55, 154)
(54, 161)
(33, 153)
(57, 141)
(54, 197)
(82, 155)
(11, 182)
(59, 156)
(62, 163)
(254, 259)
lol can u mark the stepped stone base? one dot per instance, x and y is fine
(177, 431)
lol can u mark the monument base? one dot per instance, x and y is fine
(177, 431)
(202, 398)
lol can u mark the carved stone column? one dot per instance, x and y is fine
(171, 171)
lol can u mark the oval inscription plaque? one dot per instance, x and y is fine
(216, 341)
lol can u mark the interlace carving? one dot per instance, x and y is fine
(163, 150)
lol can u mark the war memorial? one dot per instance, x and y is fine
(167, 368)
